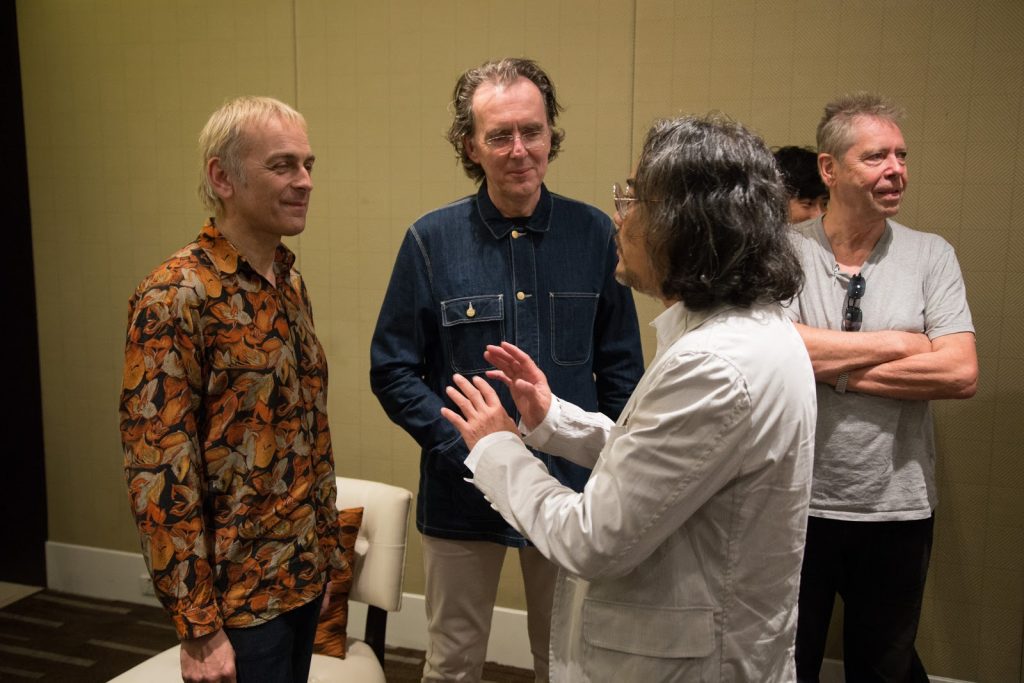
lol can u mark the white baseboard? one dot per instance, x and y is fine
(115, 575)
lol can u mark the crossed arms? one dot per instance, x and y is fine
(893, 364)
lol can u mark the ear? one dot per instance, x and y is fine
(827, 169)
(222, 183)
(469, 145)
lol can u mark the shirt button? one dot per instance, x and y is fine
(516, 234)
(520, 295)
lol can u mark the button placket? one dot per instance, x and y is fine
(525, 330)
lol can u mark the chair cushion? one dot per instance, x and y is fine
(331, 631)
(360, 666)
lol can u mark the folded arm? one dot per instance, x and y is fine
(894, 364)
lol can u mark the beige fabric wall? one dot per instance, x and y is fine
(116, 92)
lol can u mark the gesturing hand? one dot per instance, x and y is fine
(524, 379)
(482, 412)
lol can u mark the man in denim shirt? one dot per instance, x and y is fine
(517, 263)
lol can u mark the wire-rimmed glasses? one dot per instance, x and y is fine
(503, 143)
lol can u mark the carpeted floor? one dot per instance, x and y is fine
(50, 636)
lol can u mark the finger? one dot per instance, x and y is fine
(500, 359)
(519, 356)
(470, 391)
(454, 418)
(487, 392)
(527, 390)
(497, 353)
(499, 376)
(464, 405)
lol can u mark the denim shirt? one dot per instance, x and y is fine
(466, 277)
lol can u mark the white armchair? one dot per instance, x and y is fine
(377, 582)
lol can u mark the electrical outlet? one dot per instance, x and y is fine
(146, 584)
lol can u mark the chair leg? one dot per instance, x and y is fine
(376, 627)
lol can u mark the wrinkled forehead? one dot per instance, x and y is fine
(865, 129)
(497, 103)
(272, 132)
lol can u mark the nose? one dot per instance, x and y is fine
(304, 180)
(518, 148)
(894, 165)
(617, 220)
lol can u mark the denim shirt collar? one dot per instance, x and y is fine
(500, 226)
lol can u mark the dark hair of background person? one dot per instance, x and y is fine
(799, 168)
(715, 212)
(499, 72)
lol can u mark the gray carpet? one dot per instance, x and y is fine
(52, 636)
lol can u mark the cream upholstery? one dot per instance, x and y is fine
(377, 581)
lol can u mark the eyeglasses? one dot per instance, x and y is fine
(623, 202)
(853, 316)
(531, 139)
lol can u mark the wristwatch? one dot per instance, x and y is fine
(841, 382)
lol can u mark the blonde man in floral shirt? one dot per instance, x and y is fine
(223, 414)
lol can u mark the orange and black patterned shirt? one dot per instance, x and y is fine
(227, 447)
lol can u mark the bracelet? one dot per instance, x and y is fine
(841, 382)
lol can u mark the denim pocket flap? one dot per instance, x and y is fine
(472, 309)
(650, 631)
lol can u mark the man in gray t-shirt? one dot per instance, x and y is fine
(885, 319)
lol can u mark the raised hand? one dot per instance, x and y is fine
(482, 412)
(520, 374)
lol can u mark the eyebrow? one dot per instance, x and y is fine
(288, 156)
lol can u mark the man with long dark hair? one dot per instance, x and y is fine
(681, 557)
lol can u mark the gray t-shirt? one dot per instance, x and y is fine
(874, 457)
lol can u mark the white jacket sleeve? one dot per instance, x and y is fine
(681, 442)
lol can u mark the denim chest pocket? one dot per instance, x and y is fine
(471, 323)
(572, 326)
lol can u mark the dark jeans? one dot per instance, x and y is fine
(879, 570)
(278, 651)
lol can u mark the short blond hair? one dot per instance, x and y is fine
(223, 137)
(835, 131)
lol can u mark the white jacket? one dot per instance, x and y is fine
(681, 557)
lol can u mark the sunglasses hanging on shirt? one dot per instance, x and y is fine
(853, 316)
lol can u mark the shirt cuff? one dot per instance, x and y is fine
(540, 434)
(473, 459)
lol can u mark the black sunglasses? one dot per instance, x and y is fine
(853, 316)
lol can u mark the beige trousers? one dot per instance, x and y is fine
(461, 587)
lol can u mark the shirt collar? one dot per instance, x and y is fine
(226, 258)
(829, 260)
(677, 320)
(500, 226)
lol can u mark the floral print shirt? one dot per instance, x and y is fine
(227, 446)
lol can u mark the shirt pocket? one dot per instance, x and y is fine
(572, 326)
(649, 631)
(470, 323)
